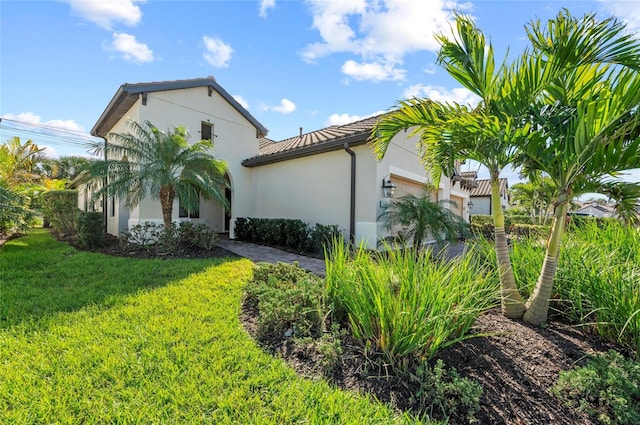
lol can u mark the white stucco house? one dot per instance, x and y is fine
(327, 176)
(480, 202)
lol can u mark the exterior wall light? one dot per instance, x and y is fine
(388, 188)
(470, 204)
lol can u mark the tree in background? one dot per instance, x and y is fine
(536, 197)
(161, 165)
(18, 162)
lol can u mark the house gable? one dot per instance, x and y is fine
(128, 94)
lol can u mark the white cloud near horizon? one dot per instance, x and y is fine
(458, 95)
(265, 5)
(31, 118)
(241, 100)
(130, 49)
(379, 32)
(106, 13)
(217, 52)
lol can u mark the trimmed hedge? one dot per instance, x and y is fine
(90, 228)
(483, 225)
(292, 234)
(60, 207)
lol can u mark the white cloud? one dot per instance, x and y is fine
(217, 52)
(373, 71)
(130, 49)
(285, 107)
(241, 100)
(107, 13)
(379, 31)
(266, 5)
(627, 11)
(340, 119)
(459, 95)
(31, 118)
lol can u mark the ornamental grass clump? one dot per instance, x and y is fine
(403, 305)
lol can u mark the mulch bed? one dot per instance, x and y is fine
(516, 366)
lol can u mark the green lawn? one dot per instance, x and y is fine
(87, 338)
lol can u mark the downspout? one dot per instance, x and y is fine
(352, 204)
(105, 203)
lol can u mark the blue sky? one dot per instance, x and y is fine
(292, 63)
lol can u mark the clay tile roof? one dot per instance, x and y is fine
(313, 142)
(469, 174)
(484, 187)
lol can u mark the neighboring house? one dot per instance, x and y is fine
(480, 202)
(328, 176)
(594, 209)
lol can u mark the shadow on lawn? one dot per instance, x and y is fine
(40, 277)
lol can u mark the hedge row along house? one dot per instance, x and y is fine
(327, 176)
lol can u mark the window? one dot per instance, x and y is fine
(183, 213)
(112, 207)
(206, 131)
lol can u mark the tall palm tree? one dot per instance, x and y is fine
(421, 217)
(486, 133)
(161, 165)
(494, 132)
(588, 130)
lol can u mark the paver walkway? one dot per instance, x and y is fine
(261, 253)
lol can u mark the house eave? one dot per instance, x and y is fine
(309, 150)
(128, 94)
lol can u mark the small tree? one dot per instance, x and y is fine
(422, 217)
(161, 165)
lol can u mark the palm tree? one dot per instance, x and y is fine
(422, 217)
(587, 130)
(161, 165)
(18, 162)
(536, 196)
(487, 133)
(502, 129)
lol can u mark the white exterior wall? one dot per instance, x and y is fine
(317, 189)
(234, 140)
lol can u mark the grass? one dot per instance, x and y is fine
(87, 338)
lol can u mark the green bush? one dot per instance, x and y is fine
(291, 234)
(607, 388)
(90, 227)
(197, 235)
(528, 230)
(141, 236)
(402, 304)
(289, 301)
(60, 207)
(444, 393)
(322, 236)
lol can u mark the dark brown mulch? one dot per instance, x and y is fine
(112, 247)
(516, 366)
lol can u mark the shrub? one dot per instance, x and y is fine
(402, 304)
(90, 227)
(323, 235)
(60, 207)
(443, 392)
(197, 235)
(288, 299)
(141, 236)
(291, 234)
(528, 230)
(607, 388)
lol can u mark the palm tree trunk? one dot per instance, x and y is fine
(167, 194)
(511, 300)
(538, 302)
